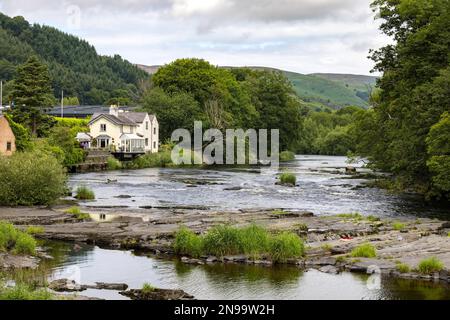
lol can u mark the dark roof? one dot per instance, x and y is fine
(120, 120)
(82, 111)
(137, 117)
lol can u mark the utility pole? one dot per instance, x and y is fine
(62, 103)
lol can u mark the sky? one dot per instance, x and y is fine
(306, 36)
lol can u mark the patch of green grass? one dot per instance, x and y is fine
(372, 218)
(34, 230)
(365, 250)
(16, 241)
(302, 227)
(403, 268)
(354, 215)
(286, 246)
(84, 193)
(327, 247)
(430, 265)
(113, 164)
(287, 156)
(288, 178)
(147, 288)
(222, 241)
(188, 243)
(448, 234)
(254, 241)
(76, 212)
(398, 226)
(24, 292)
(341, 259)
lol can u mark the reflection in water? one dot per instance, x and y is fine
(323, 189)
(229, 281)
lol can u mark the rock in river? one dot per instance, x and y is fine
(157, 294)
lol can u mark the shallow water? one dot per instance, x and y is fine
(229, 282)
(323, 189)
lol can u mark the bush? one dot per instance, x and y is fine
(75, 211)
(114, 164)
(398, 226)
(151, 160)
(84, 193)
(33, 230)
(31, 178)
(364, 251)
(286, 246)
(16, 241)
(403, 268)
(287, 156)
(254, 241)
(24, 292)
(188, 243)
(223, 240)
(288, 178)
(431, 265)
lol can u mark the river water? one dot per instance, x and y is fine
(323, 188)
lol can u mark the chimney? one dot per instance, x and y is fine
(114, 110)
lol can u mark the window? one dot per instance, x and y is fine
(8, 146)
(103, 127)
(154, 145)
(146, 142)
(154, 130)
(146, 125)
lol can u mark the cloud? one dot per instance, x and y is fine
(298, 35)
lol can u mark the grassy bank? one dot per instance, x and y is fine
(15, 241)
(253, 241)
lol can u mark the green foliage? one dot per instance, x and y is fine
(16, 241)
(84, 193)
(147, 288)
(414, 94)
(403, 268)
(285, 246)
(398, 226)
(354, 215)
(35, 230)
(151, 160)
(287, 156)
(223, 240)
(31, 178)
(114, 164)
(21, 133)
(430, 265)
(64, 138)
(288, 178)
(254, 241)
(365, 250)
(188, 243)
(77, 213)
(24, 292)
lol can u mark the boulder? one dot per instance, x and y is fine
(329, 269)
(350, 170)
(65, 285)
(157, 294)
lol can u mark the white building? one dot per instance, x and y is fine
(125, 132)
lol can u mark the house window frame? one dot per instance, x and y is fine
(146, 142)
(8, 146)
(103, 127)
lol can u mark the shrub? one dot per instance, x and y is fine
(114, 164)
(25, 244)
(75, 211)
(84, 193)
(254, 240)
(288, 178)
(33, 230)
(403, 268)
(364, 251)
(287, 156)
(16, 241)
(398, 226)
(31, 178)
(286, 246)
(147, 288)
(24, 292)
(430, 265)
(223, 240)
(187, 243)
(151, 160)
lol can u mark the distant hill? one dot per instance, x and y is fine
(321, 90)
(74, 64)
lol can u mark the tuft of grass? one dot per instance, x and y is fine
(188, 243)
(403, 268)
(287, 156)
(354, 215)
(222, 241)
(84, 193)
(254, 241)
(302, 227)
(430, 265)
(327, 247)
(76, 212)
(147, 288)
(34, 230)
(372, 218)
(286, 246)
(25, 292)
(113, 164)
(341, 259)
(398, 226)
(16, 241)
(279, 212)
(288, 178)
(365, 250)
(448, 234)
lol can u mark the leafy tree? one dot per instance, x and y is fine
(22, 135)
(64, 138)
(32, 94)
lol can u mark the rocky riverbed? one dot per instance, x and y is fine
(329, 239)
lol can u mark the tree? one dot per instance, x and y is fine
(32, 93)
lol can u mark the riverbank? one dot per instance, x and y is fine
(329, 240)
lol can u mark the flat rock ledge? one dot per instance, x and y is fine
(66, 285)
(14, 262)
(157, 294)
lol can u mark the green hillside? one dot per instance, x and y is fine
(74, 64)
